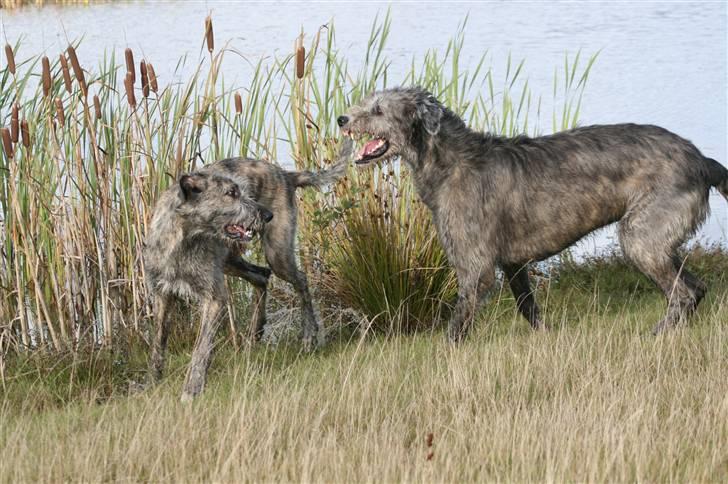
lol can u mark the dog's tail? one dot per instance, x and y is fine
(322, 178)
(718, 176)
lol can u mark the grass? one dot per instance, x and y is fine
(596, 399)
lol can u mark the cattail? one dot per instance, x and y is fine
(97, 107)
(178, 153)
(209, 36)
(129, 86)
(11, 58)
(78, 72)
(300, 61)
(25, 133)
(15, 123)
(152, 77)
(7, 142)
(60, 115)
(46, 76)
(238, 103)
(145, 78)
(66, 74)
(130, 64)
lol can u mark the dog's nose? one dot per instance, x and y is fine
(342, 120)
(267, 215)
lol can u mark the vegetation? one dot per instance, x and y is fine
(86, 153)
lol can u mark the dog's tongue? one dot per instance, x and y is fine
(236, 229)
(371, 147)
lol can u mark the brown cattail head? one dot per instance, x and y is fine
(129, 55)
(97, 107)
(66, 74)
(15, 123)
(300, 61)
(238, 103)
(152, 77)
(46, 76)
(25, 133)
(60, 115)
(209, 36)
(7, 142)
(129, 86)
(145, 78)
(77, 71)
(11, 58)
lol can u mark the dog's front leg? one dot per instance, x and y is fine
(258, 277)
(473, 287)
(212, 311)
(161, 303)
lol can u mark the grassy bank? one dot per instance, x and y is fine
(595, 399)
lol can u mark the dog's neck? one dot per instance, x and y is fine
(426, 159)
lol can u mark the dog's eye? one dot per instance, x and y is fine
(232, 192)
(377, 110)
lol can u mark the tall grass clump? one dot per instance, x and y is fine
(88, 150)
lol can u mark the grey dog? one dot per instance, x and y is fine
(192, 241)
(500, 201)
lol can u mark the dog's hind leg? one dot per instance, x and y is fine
(650, 235)
(696, 285)
(258, 277)
(162, 304)
(278, 245)
(525, 300)
(212, 311)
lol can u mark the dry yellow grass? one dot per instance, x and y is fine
(597, 399)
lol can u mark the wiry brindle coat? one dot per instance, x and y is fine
(499, 201)
(192, 241)
(275, 188)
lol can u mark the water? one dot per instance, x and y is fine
(660, 63)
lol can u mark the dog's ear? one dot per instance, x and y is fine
(429, 112)
(191, 185)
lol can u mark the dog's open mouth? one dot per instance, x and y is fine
(371, 150)
(239, 232)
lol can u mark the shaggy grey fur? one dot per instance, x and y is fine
(275, 189)
(193, 238)
(505, 202)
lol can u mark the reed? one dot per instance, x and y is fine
(10, 58)
(15, 122)
(152, 78)
(209, 35)
(46, 76)
(77, 71)
(66, 72)
(129, 58)
(145, 79)
(7, 142)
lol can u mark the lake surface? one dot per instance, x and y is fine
(661, 63)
